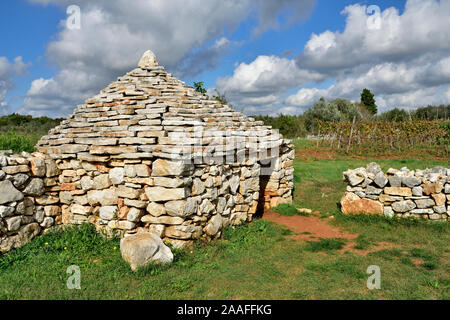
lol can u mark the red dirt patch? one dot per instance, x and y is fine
(315, 227)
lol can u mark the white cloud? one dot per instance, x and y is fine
(406, 63)
(8, 70)
(114, 34)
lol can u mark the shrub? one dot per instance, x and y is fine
(15, 142)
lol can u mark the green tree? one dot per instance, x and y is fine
(368, 101)
(397, 115)
(198, 86)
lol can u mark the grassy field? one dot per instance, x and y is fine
(254, 261)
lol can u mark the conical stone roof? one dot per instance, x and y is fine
(149, 113)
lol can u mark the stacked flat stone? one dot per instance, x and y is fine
(150, 152)
(28, 203)
(401, 193)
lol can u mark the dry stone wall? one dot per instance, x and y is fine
(29, 202)
(400, 193)
(150, 153)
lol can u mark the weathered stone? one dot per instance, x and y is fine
(20, 179)
(395, 181)
(126, 192)
(108, 212)
(134, 215)
(142, 170)
(439, 198)
(144, 248)
(421, 211)
(166, 194)
(156, 209)
(440, 209)
(162, 220)
(47, 199)
(130, 171)
(162, 168)
(52, 211)
(116, 175)
(181, 208)
(352, 204)
(380, 180)
(214, 225)
(8, 193)
(424, 203)
(16, 169)
(206, 207)
(234, 184)
(249, 185)
(148, 60)
(87, 183)
(13, 223)
(135, 203)
(354, 178)
(168, 182)
(80, 209)
(372, 190)
(25, 235)
(398, 191)
(183, 232)
(102, 182)
(447, 188)
(37, 167)
(403, 206)
(417, 191)
(388, 212)
(35, 187)
(65, 197)
(105, 197)
(431, 187)
(48, 222)
(388, 198)
(157, 229)
(411, 181)
(6, 211)
(198, 187)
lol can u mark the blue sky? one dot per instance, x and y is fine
(267, 56)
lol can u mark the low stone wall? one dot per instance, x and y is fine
(28, 205)
(401, 193)
(177, 201)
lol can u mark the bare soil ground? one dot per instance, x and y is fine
(312, 228)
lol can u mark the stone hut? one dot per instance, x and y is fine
(150, 152)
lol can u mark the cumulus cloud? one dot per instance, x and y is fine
(8, 70)
(114, 34)
(261, 82)
(404, 60)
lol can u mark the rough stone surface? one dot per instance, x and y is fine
(352, 204)
(403, 206)
(8, 193)
(144, 248)
(407, 193)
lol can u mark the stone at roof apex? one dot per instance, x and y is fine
(148, 60)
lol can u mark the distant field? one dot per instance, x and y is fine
(21, 133)
(259, 260)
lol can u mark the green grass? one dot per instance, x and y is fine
(325, 245)
(16, 142)
(252, 261)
